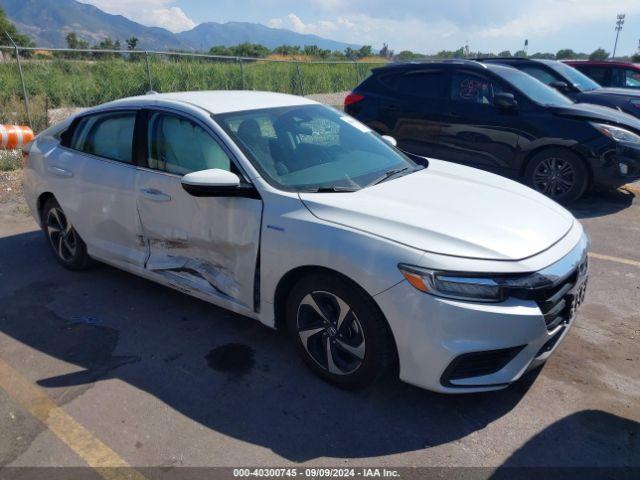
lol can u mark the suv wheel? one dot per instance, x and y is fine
(68, 247)
(559, 174)
(339, 331)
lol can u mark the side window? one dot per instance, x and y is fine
(472, 89)
(541, 74)
(108, 135)
(176, 145)
(598, 74)
(618, 77)
(419, 84)
(632, 78)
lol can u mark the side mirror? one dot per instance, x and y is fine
(559, 85)
(216, 182)
(390, 140)
(505, 101)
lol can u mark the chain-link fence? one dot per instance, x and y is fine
(57, 80)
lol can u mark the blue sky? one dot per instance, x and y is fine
(420, 25)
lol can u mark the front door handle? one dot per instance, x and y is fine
(155, 195)
(60, 172)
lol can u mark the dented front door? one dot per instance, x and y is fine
(204, 244)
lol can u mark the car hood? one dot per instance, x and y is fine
(598, 113)
(625, 92)
(452, 210)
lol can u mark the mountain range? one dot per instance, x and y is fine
(48, 22)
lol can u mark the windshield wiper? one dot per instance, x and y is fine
(387, 175)
(333, 188)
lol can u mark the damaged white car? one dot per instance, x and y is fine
(292, 213)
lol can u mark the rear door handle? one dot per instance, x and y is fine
(60, 172)
(155, 195)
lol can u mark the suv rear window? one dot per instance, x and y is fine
(424, 84)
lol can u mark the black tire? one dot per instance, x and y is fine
(363, 331)
(68, 248)
(557, 173)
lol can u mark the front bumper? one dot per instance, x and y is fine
(617, 166)
(456, 346)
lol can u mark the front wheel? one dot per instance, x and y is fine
(339, 331)
(559, 174)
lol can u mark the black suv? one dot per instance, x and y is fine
(574, 84)
(499, 119)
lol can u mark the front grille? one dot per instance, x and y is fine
(476, 364)
(556, 301)
(547, 347)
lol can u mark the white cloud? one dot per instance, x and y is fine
(544, 17)
(549, 24)
(408, 33)
(156, 13)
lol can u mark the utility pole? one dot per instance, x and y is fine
(619, 24)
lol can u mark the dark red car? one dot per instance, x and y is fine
(609, 73)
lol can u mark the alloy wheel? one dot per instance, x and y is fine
(61, 235)
(331, 333)
(554, 177)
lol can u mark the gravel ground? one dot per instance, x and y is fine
(10, 186)
(333, 99)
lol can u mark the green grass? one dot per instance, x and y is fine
(10, 160)
(83, 83)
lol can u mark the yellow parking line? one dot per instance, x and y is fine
(97, 455)
(626, 261)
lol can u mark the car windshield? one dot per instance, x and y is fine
(534, 88)
(575, 77)
(314, 148)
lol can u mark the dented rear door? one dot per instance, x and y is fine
(207, 245)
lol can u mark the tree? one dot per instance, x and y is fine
(219, 50)
(287, 50)
(545, 55)
(74, 42)
(253, 50)
(364, 51)
(350, 53)
(599, 54)
(132, 43)
(385, 52)
(505, 53)
(407, 56)
(520, 54)
(566, 54)
(10, 28)
(636, 57)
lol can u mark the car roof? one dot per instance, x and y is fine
(615, 63)
(411, 66)
(217, 101)
(466, 63)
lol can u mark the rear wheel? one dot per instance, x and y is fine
(559, 174)
(339, 331)
(68, 247)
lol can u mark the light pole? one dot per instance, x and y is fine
(619, 24)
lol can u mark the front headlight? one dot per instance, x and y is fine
(616, 133)
(453, 285)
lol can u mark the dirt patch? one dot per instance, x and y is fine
(10, 186)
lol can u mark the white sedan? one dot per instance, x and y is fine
(292, 213)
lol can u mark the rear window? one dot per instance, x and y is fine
(108, 135)
(426, 84)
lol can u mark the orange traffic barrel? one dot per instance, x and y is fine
(14, 136)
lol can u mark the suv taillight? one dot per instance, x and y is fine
(352, 98)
